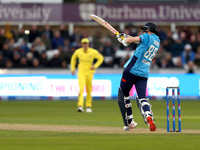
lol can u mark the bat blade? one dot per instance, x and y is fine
(104, 23)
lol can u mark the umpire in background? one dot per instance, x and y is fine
(86, 70)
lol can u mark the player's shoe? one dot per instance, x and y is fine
(80, 109)
(130, 126)
(151, 124)
(88, 110)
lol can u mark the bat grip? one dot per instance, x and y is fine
(120, 36)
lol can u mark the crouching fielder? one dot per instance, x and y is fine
(136, 72)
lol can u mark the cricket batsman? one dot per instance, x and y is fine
(86, 70)
(136, 71)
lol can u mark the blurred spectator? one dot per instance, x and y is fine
(154, 65)
(197, 57)
(187, 32)
(97, 39)
(179, 62)
(183, 37)
(122, 56)
(191, 67)
(39, 45)
(108, 53)
(198, 38)
(16, 59)
(36, 63)
(9, 34)
(29, 57)
(69, 54)
(46, 41)
(43, 60)
(34, 33)
(63, 32)
(167, 61)
(76, 36)
(114, 41)
(35, 53)
(11, 44)
(2, 61)
(2, 37)
(132, 30)
(23, 46)
(23, 62)
(193, 42)
(64, 64)
(167, 46)
(9, 63)
(21, 34)
(57, 40)
(7, 53)
(187, 55)
(162, 34)
(177, 48)
(56, 61)
(67, 45)
(170, 38)
(160, 55)
(47, 32)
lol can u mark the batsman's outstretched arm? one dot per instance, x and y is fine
(127, 39)
(131, 39)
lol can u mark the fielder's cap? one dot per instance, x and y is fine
(85, 41)
(151, 26)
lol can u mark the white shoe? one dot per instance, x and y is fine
(80, 109)
(126, 128)
(88, 109)
(130, 126)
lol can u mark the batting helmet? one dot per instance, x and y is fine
(151, 26)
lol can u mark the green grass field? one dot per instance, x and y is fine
(105, 114)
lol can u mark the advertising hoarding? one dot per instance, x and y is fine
(104, 85)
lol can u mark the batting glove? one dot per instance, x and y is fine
(121, 38)
(124, 43)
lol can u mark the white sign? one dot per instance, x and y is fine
(157, 85)
(41, 86)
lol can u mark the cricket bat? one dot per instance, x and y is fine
(105, 24)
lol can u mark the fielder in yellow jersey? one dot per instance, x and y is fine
(86, 70)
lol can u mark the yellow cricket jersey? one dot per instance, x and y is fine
(86, 59)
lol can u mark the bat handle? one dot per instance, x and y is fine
(120, 36)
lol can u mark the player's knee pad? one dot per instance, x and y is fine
(145, 107)
(127, 102)
(128, 117)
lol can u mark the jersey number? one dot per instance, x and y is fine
(151, 52)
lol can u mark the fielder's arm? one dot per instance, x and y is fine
(99, 58)
(73, 62)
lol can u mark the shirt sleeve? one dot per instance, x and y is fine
(144, 38)
(99, 58)
(73, 60)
